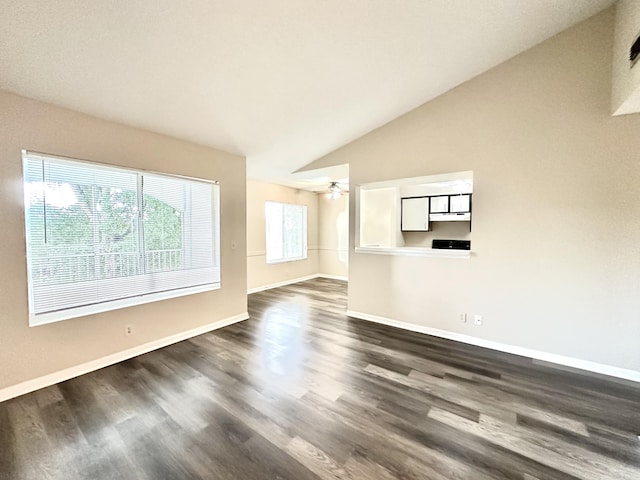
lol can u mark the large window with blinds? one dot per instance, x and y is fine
(286, 232)
(101, 238)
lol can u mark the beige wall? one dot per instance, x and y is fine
(27, 353)
(556, 205)
(259, 273)
(333, 232)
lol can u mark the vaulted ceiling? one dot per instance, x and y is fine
(281, 82)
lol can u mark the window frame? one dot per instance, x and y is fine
(304, 233)
(43, 318)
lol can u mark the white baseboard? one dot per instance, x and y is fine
(333, 277)
(294, 280)
(68, 373)
(503, 347)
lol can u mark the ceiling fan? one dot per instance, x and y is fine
(336, 189)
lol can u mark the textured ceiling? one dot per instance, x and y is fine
(282, 82)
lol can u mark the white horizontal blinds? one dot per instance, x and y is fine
(295, 229)
(275, 231)
(179, 232)
(81, 224)
(89, 241)
(286, 231)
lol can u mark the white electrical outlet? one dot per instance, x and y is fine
(462, 317)
(477, 319)
(128, 330)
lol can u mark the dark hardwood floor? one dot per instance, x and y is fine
(300, 391)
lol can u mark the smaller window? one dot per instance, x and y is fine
(286, 232)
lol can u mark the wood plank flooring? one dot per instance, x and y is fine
(300, 391)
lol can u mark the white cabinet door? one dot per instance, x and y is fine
(460, 203)
(440, 204)
(415, 214)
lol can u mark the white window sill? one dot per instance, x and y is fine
(415, 252)
(44, 318)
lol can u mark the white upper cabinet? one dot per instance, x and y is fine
(415, 214)
(439, 204)
(451, 208)
(460, 203)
